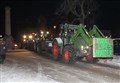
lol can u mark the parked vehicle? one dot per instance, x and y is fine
(2, 50)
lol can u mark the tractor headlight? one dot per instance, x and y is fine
(82, 47)
(85, 49)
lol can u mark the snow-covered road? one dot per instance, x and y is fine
(25, 66)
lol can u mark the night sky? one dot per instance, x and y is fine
(25, 14)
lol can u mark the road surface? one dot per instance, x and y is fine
(25, 66)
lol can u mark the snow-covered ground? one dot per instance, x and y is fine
(113, 62)
(22, 66)
(21, 70)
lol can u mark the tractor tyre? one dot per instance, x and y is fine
(56, 51)
(68, 54)
(90, 59)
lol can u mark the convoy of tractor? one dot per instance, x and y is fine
(73, 42)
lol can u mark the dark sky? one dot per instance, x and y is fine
(110, 17)
(25, 13)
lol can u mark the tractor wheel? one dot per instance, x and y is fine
(91, 59)
(68, 54)
(56, 51)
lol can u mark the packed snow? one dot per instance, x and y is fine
(113, 62)
(22, 66)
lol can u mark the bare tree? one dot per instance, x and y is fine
(78, 10)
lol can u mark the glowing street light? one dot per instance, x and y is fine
(24, 36)
(30, 36)
(15, 45)
(24, 40)
(0, 35)
(42, 32)
(47, 32)
(54, 27)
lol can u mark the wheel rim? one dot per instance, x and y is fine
(55, 50)
(66, 55)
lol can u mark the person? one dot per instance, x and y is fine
(2, 51)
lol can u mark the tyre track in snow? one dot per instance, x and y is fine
(105, 73)
(42, 66)
(21, 66)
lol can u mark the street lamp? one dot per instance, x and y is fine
(30, 36)
(24, 40)
(47, 32)
(54, 27)
(0, 35)
(42, 32)
(24, 36)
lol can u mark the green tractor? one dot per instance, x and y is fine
(75, 42)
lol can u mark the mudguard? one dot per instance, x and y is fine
(59, 41)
